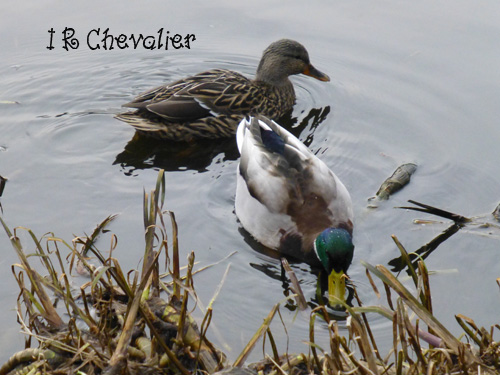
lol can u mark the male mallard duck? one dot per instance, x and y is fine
(290, 201)
(212, 103)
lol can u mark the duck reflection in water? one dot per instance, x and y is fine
(144, 152)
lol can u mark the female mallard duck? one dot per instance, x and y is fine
(212, 103)
(290, 201)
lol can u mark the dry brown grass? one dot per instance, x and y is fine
(138, 322)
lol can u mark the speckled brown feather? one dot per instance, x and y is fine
(228, 94)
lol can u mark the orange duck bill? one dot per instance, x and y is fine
(311, 71)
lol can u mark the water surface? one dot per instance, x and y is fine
(412, 82)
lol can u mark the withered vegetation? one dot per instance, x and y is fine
(139, 323)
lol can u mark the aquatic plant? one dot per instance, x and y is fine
(138, 322)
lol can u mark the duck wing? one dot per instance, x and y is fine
(282, 173)
(206, 94)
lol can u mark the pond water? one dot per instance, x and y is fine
(411, 82)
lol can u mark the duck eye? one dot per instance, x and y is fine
(297, 56)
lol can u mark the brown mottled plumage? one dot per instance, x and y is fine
(211, 104)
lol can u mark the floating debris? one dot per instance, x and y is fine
(421, 207)
(399, 179)
(496, 213)
(3, 181)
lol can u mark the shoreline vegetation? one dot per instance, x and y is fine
(137, 322)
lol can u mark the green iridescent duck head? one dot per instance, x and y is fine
(334, 249)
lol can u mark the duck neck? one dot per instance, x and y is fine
(271, 71)
(273, 79)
